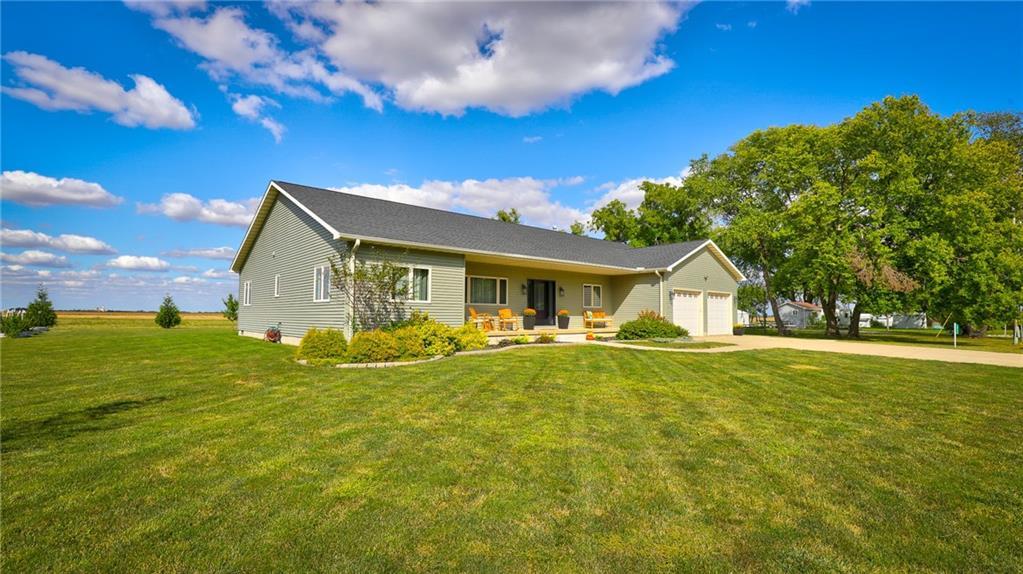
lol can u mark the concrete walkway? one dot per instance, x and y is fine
(754, 342)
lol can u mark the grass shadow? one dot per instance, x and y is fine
(69, 424)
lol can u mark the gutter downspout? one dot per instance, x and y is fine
(660, 290)
(351, 273)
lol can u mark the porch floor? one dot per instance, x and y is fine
(554, 329)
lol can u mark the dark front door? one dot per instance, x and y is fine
(541, 298)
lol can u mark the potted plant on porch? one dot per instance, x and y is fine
(738, 329)
(563, 319)
(529, 318)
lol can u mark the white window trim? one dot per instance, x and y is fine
(507, 290)
(316, 293)
(429, 283)
(591, 286)
(277, 285)
(247, 293)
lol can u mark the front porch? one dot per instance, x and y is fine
(565, 335)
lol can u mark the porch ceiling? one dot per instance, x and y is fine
(553, 265)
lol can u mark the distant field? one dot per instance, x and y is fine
(135, 319)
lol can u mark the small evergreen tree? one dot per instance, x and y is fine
(168, 316)
(40, 312)
(230, 311)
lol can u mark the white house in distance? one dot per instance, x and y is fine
(800, 314)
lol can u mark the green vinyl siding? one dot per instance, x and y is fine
(701, 272)
(634, 293)
(290, 244)
(446, 282)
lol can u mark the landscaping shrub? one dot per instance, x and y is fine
(40, 312)
(326, 344)
(438, 339)
(11, 324)
(546, 338)
(168, 316)
(650, 325)
(520, 340)
(469, 338)
(415, 319)
(373, 347)
(410, 342)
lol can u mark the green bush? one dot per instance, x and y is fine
(415, 319)
(469, 338)
(373, 347)
(546, 338)
(438, 339)
(520, 340)
(650, 327)
(12, 324)
(40, 312)
(168, 316)
(410, 342)
(326, 344)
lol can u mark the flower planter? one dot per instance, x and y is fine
(563, 321)
(529, 322)
(738, 330)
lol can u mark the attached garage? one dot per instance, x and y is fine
(719, 313)
(687, 310)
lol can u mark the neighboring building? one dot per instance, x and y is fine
(458, 261)
(800, 314)
(845, 317)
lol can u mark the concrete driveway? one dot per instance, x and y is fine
(753, 342)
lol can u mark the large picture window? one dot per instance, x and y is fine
(488, 291)
(321, 283)
(593, 295)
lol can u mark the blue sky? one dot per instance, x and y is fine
(124, 179)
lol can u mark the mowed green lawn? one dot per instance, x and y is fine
(994, 342)
(126, 448)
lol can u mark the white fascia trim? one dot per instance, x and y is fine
(266, 196)
(248, 230)
(731, 266)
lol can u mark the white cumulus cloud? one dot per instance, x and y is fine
(33, 189)
(185, 207)
(628, 191)
(35, 258)
(138, 263)
(217, 274)
(794, 5)
(252, 107)
(226, 253)
(512, 58)
(186, 280)
(233, 49)
(51, 86)
(65, 242)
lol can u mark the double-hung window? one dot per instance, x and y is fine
(247, 293)
(488, 291)
(593, 295)
(321, 283)
(416, 284)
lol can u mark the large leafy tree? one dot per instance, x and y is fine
(668, 214)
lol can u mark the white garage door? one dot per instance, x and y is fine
(686, 307)
(719, 314)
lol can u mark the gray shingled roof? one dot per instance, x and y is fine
(360, 216)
